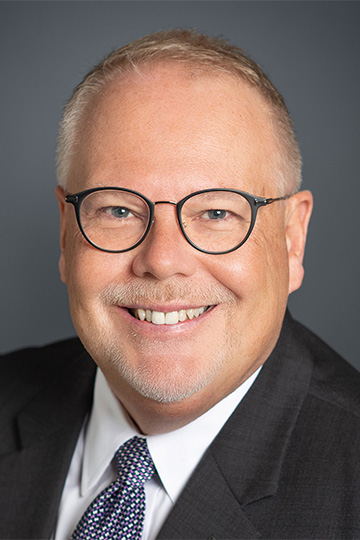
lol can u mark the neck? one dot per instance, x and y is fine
(154, 418)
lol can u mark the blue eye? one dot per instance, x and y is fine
(216, 214)
(118, 211)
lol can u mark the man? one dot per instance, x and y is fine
(182, 234)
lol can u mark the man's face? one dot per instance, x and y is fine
(166, 134)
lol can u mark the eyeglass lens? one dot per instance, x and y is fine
(214, 221)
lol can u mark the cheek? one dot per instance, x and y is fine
(240, 271)
(257, 272)
(88, 269)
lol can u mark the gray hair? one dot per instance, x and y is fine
(200, 52)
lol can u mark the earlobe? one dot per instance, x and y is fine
(60, 195)
(298, 212)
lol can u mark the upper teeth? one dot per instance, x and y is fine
(172, 317)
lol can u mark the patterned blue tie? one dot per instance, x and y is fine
(118, 512)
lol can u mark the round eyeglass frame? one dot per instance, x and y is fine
(255, 203)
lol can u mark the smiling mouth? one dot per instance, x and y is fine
(172, 317)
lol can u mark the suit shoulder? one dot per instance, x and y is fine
(61, 345)
(37, 355)
(24, 371)
(334, 380)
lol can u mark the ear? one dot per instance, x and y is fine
(60, 195)
(298, 212)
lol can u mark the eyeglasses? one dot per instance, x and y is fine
(214, 221)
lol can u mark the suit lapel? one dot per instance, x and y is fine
(47, 428)
(207, 508)
(243, 464)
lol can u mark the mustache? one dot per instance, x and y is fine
(144, 292)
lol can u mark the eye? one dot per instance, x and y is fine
(118, 211)
(215, 214)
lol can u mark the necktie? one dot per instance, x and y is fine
(118, 512)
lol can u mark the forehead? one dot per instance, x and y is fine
(171, 122)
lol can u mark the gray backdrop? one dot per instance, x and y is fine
(311, 50)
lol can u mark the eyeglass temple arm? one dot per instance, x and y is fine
(262, 202)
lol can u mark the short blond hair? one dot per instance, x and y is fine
(199, 51)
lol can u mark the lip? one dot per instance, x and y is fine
(163, 308)
(154, 330)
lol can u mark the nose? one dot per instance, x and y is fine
(165, 252)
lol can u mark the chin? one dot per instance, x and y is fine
(170, 390)
(158, 378)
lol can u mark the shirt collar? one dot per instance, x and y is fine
(175, 454)
(108, 428)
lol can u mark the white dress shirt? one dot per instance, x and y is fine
(175, 456)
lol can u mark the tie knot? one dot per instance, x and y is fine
(134, 462)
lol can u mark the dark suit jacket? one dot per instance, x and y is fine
(286, 464)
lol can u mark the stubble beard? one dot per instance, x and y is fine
(159, 378)
(163, 384)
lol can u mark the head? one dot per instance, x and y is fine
(204, 55)
(166, 116)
